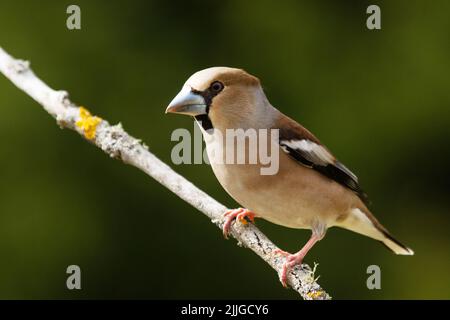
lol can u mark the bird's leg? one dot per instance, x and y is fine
(240, 214)
(297, 258)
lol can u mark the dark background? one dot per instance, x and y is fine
(379, 100)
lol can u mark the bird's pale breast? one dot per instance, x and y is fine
(295, 197)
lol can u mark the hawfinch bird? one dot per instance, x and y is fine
(310, 190)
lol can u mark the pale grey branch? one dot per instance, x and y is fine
(114, 141)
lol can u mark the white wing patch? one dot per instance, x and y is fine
(315, 156)
(312, 151)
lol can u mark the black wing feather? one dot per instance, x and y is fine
(335, 171)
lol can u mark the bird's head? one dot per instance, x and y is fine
(220, 97)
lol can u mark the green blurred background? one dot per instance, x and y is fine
(379, 99)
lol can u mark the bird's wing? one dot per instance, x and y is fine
(306, 149)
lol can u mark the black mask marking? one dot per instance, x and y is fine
(204, 121)
(208, 96)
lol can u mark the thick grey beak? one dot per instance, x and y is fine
(187, 102)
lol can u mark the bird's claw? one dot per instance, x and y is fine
(281, 252)
(240, 214)
(291, 261)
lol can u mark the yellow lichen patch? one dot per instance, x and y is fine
(88, 123)
(315, 294)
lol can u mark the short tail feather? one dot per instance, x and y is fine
(395, 246)
(365, 223)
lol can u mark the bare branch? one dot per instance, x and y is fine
(114, 141)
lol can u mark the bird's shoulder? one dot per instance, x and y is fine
(302, 146)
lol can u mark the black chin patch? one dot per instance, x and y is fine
(208, 96)
(204, 121)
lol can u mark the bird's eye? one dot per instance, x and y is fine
(217, 86)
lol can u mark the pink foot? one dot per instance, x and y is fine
(294, 259)
(291, 261)
(240, 214)
(281, 252)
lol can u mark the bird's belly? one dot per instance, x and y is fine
(296, 197)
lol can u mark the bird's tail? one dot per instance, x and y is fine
(394, 245)
(365, 223)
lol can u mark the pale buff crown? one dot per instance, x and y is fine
(228, 76)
